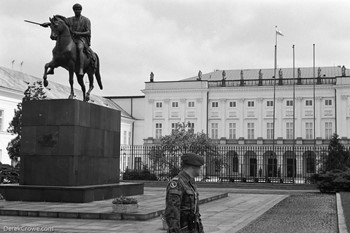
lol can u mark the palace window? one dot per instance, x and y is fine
(214, 130)
(159, 104)
(328, 130)
(269, 103)
(158, 130)
(308, 102)
(250, 104)
(173, 127)
(214, 104)
(175, 104)
(232, 104)
(309, 130)
(191, 104)
(289, 130)
(250, 130)
(289, 103)
(328, 102)
(190, 126)
(269, 130)
(232, 130)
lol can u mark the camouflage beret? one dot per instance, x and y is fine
(192, 159)
(77, 6)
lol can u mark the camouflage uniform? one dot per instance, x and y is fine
(182, 212)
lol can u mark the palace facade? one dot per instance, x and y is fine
(236, 108)
(238, 105)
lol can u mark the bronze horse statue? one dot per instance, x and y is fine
(65, 54)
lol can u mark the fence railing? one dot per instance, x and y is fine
(270, 82)
(286, 164)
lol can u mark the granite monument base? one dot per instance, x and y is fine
(70, 152)
(73, 194)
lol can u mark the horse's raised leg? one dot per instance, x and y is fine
(91, 86)
(47, 66)
(82, 85)
(71, 81)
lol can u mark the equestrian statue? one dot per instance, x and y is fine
(72, 50)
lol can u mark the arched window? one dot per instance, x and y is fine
(310, 160)
(233, 161)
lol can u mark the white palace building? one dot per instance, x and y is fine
(240, 107)
(236, 108)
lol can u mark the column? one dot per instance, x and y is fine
(167, 127)
(342, 116)
(241, 119)
(279, 118)
(298, 117)
(260, 115)
(222, 133)
(201, 116)
(182, 112)
(149, 119)
(318, 112)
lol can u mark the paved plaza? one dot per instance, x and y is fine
(239, 212)
(224, 215)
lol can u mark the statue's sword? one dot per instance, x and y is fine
(32, 22)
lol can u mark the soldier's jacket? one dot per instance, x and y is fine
(181, 211)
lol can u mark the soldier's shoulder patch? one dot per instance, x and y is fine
(173, 184)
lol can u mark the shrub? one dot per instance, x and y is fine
(124, 200)
(143, 174)
(9, 174)
(333, 181)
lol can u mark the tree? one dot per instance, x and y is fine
(338, 157)
(182, 140)
(33, 92)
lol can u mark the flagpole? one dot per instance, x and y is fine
(293, 98)
(274, 93)
(293, 173)
(314, 93)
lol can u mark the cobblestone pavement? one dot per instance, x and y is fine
(298, 213)
(225, 215)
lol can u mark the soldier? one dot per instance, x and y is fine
(181, 211)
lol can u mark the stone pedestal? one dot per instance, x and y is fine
(69, 152)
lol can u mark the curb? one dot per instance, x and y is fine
(96, 215)
(341, 220)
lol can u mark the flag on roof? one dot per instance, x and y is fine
(279, 32)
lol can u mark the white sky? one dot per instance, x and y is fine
(176, 38)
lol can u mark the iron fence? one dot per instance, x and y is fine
(284, 164)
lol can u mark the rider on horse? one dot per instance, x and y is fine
(81, 31)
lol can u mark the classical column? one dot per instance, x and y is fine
(279, 118)
(182, 114)
(149, 119)
(299, 117)
(241, 118)
(342, 117)
(223, 118)
(260, 115)
(201, 116)
(167, 127)
(318, 116)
